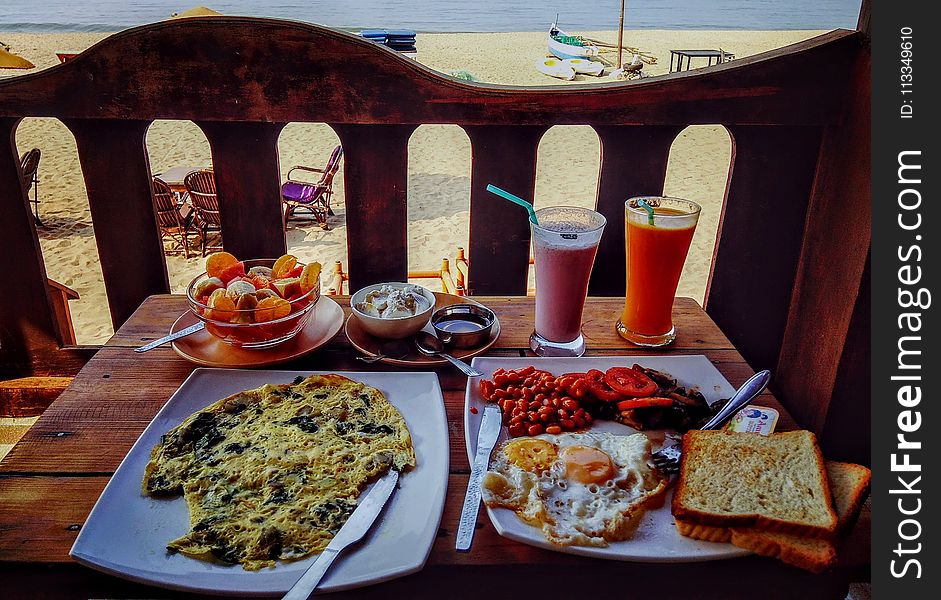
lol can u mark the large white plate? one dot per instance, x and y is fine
(126, 533)
(656, 538)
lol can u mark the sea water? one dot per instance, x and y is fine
(445, 15)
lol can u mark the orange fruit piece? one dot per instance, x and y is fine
(218, 262)
(269, 309)
(283, 266)
(310, 276)
(259, 281)
(221, 307)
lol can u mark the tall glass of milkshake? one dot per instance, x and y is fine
(564, 246)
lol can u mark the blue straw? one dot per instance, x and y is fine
(649, 209)
(515, 200)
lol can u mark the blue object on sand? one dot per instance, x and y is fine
(402, 40)
(374, 33)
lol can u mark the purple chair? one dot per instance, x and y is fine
(313, 197)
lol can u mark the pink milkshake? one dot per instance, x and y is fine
(564, 245)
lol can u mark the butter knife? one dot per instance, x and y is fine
(352, 531)
(173, 336)
(490, 426)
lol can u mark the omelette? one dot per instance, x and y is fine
(273, 473)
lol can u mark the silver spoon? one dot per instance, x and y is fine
(173, 336)
(429, 345)
(394, 349)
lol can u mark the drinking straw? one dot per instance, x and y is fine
(649, 209)
(515, 200)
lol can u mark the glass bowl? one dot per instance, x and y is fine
(241, 330)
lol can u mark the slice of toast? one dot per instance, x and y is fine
(775, 483)
(849, 484)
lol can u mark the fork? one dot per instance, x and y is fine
(667, 459)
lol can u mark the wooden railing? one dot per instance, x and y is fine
(788, 265)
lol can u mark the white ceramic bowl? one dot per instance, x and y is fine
(392, 329)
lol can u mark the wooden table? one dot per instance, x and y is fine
(52, 478)
(174, 177)
(719, 55)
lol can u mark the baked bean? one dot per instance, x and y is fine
(534, 401)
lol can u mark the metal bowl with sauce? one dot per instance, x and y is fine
(463, 325)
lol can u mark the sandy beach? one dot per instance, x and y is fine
(438, 188)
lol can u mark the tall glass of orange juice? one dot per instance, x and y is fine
(656, 245)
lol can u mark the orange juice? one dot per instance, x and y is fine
(655, 257)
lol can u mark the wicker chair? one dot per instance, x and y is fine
(313, 197)
(29, 164)
(201, 186)
(174, 221)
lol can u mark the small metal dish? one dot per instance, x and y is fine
(463, 325)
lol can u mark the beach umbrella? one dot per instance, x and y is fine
(12, 61)
(199, 11)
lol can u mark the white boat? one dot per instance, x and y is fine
(566, 46)
(554, 67)
(584, 66)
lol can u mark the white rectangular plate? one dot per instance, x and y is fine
(656, 538)
(126, 533)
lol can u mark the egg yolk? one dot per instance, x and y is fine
(585, 464)
(533, 455)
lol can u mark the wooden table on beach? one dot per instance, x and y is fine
(174, 177)
(719, 55)
(52, 478)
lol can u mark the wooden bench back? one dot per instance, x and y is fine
(241, 80)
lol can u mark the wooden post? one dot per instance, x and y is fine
(621, 36)
(447, 281)
(336, 280)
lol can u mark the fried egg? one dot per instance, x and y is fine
(580, 489)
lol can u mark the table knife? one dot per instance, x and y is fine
(173, 336)
(490, 426)
(352, 531)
